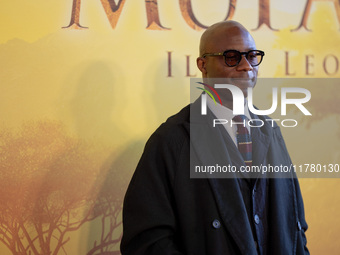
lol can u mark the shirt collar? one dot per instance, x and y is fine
(222, 112)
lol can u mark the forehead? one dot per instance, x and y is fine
(230, 38)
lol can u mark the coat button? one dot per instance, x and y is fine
(256, 219)
(299, 225)
(216, 224)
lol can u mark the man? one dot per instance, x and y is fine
(167, 212)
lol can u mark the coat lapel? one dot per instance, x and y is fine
(260, 140)
(209, 147)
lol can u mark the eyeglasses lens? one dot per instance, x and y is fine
(233, 58)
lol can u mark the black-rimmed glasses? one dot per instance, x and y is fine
(233, 57)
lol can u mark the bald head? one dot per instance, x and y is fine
(228, 36)
(218, 32)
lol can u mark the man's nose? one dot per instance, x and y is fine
(244, 65)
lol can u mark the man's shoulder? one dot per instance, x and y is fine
(175, 127)
(183, 116)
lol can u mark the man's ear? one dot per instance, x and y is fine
(201, 64)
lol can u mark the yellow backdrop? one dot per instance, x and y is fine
(84, 83)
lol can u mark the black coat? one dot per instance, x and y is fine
(167, 212)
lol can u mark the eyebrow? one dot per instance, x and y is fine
(241, 51)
